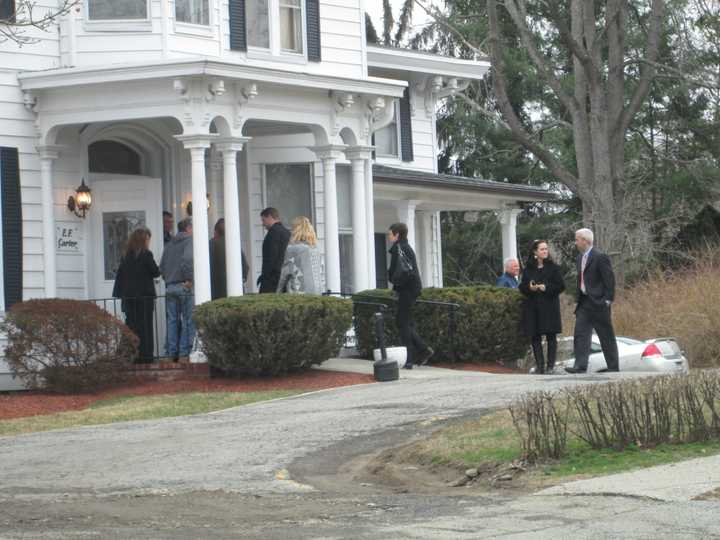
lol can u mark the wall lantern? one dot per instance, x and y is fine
(188, 206)
(81, 202)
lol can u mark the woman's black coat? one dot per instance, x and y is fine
(541, 310)
(412, 285)
(135, 277)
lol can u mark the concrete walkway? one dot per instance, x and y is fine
(682, 481)
(355, 365)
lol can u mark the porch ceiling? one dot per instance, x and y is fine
(69, 77)
(447, 192)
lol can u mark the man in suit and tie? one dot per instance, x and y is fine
(595, 295)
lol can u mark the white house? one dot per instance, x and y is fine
(233, 105)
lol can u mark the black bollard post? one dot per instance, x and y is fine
(383, 369)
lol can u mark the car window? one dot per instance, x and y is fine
(595, 348)
(629, 341)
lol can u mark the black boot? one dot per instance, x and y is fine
(551, 353)
(539, 356)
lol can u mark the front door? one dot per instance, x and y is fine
(120, 205)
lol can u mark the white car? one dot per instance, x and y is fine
(658, 355)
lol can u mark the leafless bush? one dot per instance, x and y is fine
(542, 425)
(645, 413)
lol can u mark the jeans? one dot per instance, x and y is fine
(180, 327)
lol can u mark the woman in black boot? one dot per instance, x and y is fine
(542, 283)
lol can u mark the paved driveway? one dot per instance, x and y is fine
(242, 449)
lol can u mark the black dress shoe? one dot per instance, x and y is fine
(408, 366)
(575, 370)
(425, 356)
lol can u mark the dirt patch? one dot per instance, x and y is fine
(713, 495)
(24, 404)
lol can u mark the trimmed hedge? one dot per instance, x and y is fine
(487, 323)
(67, 345)
(271, 334)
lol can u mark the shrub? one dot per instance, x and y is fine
(644, 412)
(271, 334)
(66, 345)
(487, 323)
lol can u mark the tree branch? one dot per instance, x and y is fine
(517, 130)
(442, 21)
(647, 72)
(25, 17)
(519, 16)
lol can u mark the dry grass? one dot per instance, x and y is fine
(125, 409)
(684, 305)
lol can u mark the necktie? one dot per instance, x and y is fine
(582, 272)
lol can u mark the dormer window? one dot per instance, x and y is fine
(192, 12)
(110, 10)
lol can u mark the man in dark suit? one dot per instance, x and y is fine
(595, 295)
(274, 246)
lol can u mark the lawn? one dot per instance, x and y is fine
(492, 440)
(127, 408)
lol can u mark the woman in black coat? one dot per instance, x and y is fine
(542, 283)
(407, 286)
(135, 287)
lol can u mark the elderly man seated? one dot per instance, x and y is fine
(509, 279)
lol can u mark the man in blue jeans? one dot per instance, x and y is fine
(176, 267)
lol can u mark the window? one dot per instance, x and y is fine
(7, 10)
(192, 11)
(258, 29)
(112, 157)
(291, 33)
(99, 10)
(386, 140)
(117, 228)
(288, 187)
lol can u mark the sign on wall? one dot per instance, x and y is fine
(68, 238)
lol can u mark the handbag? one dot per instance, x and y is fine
(404, 269)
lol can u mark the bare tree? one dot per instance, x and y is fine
(608, 84)
(28, 14)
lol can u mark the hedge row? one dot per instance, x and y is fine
(271, 334)
(487, 323)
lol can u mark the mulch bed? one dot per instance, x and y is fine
(23, 404)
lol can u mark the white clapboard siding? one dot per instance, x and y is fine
(17, 130)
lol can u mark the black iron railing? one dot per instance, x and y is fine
(382, 303)
(147, 317)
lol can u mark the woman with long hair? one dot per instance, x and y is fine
(542, 283)
(135, 286)
(302, 270)
(405, 277)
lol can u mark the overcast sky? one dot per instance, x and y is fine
(374, 8)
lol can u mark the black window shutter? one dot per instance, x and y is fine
(11, 225)
(312, 15)
(406, 140)
(7, 10)
(238, 29)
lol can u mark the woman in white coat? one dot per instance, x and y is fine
(302, 270)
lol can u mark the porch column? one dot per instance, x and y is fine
(233, 235)
(508, 221)
(370, 221)
(47, 155)
(329, 155)
(406, 214)
(197, 144)
(426, 223)
(359, 156)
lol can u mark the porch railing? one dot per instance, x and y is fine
(382, 303)
(157, 322)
